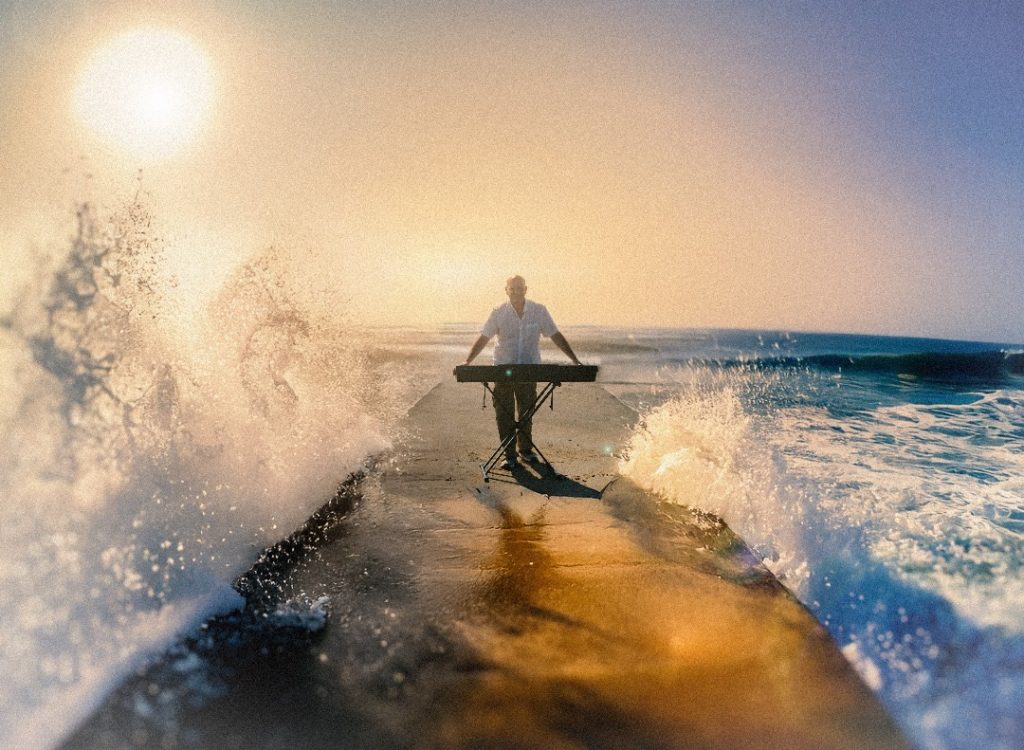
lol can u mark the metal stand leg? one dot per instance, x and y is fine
(546, 393)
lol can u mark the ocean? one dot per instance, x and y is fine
(143, 468)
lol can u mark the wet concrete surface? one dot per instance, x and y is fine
(439, 611)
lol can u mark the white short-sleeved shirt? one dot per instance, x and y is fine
(519, 338)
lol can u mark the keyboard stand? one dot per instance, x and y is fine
(547, 394)
(551, 375)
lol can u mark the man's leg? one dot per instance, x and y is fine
(504, 412)
(526, 395)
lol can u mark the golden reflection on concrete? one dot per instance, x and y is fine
(521, 566)
(607, 619)
(636, 651)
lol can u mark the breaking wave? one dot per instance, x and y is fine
(144, 466)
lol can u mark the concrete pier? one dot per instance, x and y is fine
(532, 611)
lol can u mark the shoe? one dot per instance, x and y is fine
(509, 463)
(529, 456)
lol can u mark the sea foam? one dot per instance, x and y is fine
(143, 466)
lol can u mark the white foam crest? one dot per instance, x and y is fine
(143, 470)
(701, 449)
(938, 503)
(935, 492)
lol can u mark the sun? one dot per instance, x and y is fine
(148, 92)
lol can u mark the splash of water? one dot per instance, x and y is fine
(701, 448)
(142, 469)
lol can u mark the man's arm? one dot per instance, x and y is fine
(478, 346)
(561, 343)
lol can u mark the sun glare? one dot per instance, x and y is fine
(148, 92)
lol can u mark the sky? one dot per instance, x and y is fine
(824, 166)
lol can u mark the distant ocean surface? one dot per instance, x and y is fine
(143, 469)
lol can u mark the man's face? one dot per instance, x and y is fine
(516, 291)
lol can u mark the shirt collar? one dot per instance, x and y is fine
(526, 305)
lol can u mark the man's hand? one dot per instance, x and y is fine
(559, 340)
(478, 346)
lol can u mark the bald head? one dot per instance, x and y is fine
(515, 288)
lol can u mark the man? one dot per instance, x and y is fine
(518, 325)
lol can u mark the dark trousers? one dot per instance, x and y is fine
(507, 397)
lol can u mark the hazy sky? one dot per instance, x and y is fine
(850, 166)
